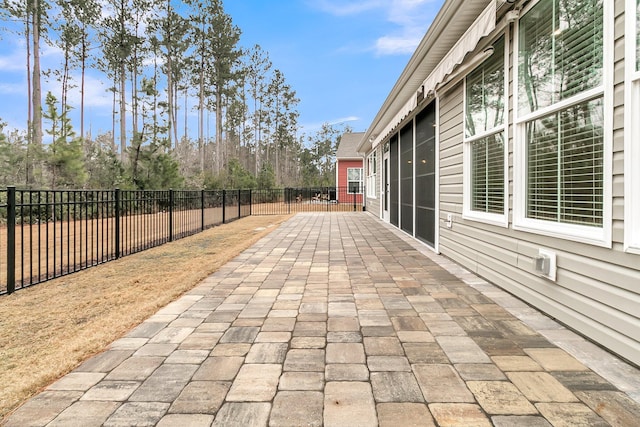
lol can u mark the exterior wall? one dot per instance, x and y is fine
(597, 289)
(343, 165)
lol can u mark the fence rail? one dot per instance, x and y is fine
(46, 234)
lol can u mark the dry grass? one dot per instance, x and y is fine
(47, 330)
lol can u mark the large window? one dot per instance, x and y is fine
(372, 170)
(561, 143)
(632, 128)
(354, 180)
(484, 149)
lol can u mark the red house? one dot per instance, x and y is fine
(349, 170)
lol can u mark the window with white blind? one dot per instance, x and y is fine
(632, 128)
(354, 180)
(372, 166)
(562, 118)
(484, 146)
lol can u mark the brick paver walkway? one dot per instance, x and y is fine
(340, 320)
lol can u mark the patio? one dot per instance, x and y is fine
(338, 319)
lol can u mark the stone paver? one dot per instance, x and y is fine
(255, 383)
(349, 404)
(404, 414)
(297, 408)
(340, 320)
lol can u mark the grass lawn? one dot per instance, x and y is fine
(49, 329)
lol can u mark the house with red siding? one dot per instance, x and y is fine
(349, 171)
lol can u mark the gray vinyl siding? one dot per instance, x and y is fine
(597, 291)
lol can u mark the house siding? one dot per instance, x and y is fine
(597, 291)
(343, 165)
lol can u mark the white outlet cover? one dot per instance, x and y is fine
(552, 263)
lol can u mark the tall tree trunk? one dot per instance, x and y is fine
(186, 99)
(220, 158)
(36, 97)
(82, 79)
(201, 120)
(113, 120)
(134, 100)
(27, 33)
(65, 87)
(123, 83)
(123, 113)
(170, 103)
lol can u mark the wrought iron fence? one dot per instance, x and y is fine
(294, 200)
(46, 234)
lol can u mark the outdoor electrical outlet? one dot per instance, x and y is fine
(544, 264)
(449, 220)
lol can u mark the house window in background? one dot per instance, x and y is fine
(354, 180)
(484, 148)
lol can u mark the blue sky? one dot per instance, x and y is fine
(342, 57)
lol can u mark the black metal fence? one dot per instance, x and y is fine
(46, 234)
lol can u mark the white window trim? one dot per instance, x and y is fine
(360, 182)
(501, 220)
(631, 134)
(372, 193)
(598, 236)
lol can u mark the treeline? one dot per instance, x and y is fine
(159, 57)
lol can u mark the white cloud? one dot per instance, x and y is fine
(341, 8)
(313, 127)
(408, 21)
(12, 89)
(389, 45)
(95, 93)
(13, 57)
(344, 120)
(412, 18)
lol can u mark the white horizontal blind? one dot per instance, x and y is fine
(560, 52)
(565, 175)
(487, 174)
(560, 56)
(484, 114)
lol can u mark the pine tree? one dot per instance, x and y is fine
(65, 154)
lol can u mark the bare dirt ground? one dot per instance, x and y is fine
(49, 329)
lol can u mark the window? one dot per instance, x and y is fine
(562, 147)
(484, 148)
(354, 180)
(372, 170)
(632, 128)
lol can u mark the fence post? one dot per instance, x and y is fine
(250, 202)
(171, 214)
(117, 215)
(202, 210)
(11, 239)
(239, 204)
(327, 199)
(224, 206)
